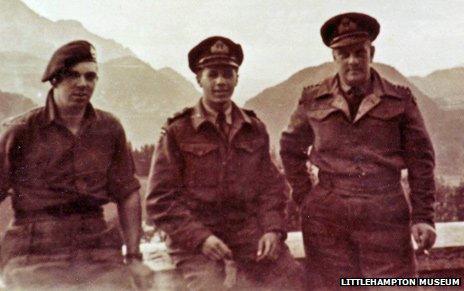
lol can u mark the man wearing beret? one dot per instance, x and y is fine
(214, 189)
(363, 131)
(60, 164)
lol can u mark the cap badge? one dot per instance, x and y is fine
(219, 48)
(347, 25)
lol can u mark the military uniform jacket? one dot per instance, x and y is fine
(42, 164)
(202, 183)
(386, 135)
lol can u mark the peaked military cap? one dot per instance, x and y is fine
(67, 56)
(215, 50)
(349, 28)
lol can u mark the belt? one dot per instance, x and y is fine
(60, 211)
(375, 184)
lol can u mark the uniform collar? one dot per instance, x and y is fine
(380, 88)
(200, 115)
(51, 113)
(212, 114)
(365, 89)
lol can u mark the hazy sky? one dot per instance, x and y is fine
(279, 37)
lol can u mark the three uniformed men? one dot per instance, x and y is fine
(60, 164)
(213, 187)
(363, 131)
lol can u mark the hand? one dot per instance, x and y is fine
(268, 246)
(424, 235)
(142, 275)
(215, 249)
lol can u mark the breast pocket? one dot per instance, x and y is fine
(389, 112)
(201, 164)
(320, 114)
(329, 127)
(248, 155)
(382, 125)
(250, 146)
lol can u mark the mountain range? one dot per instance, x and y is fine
(143, 97)
(23, 30)
(139, 95)
(14, 104)
(446, 87)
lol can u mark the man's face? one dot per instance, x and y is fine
(218, 84)
(353, 63)
(76, 86)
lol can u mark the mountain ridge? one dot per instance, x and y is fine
(24, 30)
(445, 86)
(138, 94)
(12, 104)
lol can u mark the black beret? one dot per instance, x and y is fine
(349, 28)
(67, 56)
(215, 50)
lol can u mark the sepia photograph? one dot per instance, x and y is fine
(231, 145)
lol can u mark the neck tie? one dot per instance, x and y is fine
(354, 98)
(222, 124)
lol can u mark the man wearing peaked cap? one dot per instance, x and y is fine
(214, 189)
(60, 164)
(362, 131)
(349, 28)
(215, 50)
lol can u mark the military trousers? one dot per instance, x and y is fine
(75, 252)
(356, 234)
(202, 273)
